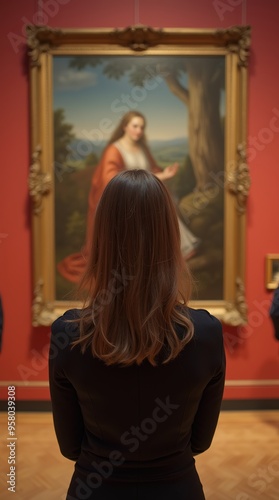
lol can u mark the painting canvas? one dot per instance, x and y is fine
(91, 94)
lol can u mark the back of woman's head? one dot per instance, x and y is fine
(136, 277)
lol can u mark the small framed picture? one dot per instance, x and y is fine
(272, 271)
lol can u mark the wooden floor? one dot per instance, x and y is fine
(242, 464)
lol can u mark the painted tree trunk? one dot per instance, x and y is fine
(206, 137)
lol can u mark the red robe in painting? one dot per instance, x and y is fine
(112, 163)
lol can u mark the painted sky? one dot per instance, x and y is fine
(94, 103)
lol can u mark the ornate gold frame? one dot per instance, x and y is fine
(233, 43)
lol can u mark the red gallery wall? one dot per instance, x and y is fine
(254, 355)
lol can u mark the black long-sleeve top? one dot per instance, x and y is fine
(146, 421)
(274, 312)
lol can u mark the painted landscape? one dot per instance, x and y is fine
(180, 109)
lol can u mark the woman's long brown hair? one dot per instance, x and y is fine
(136, 279)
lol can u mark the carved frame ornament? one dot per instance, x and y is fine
(233, 43)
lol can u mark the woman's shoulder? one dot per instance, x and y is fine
(63, 332)
(112, 149)
(112, 155)
(66, 323)
(205, 324)
(202, 316)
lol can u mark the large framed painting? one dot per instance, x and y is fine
(190, 86)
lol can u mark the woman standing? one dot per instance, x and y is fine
(136, 376)
(274, 309)
(127, 149)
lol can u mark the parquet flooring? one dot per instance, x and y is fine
(242, 463)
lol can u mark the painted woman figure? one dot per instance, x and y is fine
(127, 149)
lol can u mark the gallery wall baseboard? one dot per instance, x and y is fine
(28, 406)
(24, 383)
(249, 404)
(227, 405)
(228, 383)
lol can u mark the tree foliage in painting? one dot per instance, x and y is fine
(63, 136)
(73, 179)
